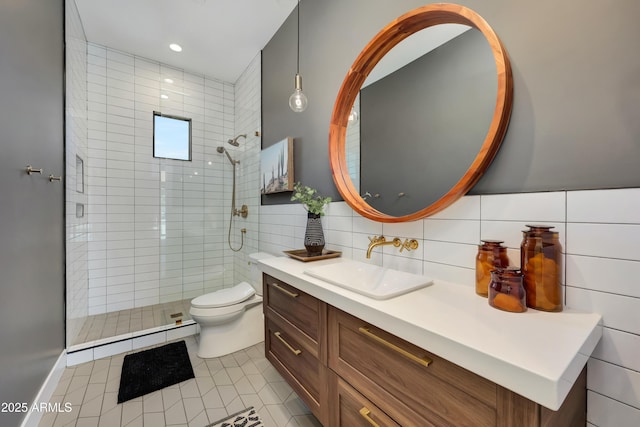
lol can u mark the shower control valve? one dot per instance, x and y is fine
(243, 211)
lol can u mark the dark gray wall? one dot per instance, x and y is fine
(576, 97)
(31, 207)
(447, 98)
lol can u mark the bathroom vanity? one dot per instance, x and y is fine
(435, 356)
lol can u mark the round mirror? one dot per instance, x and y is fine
(414, 168)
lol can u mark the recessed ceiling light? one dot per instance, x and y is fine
(167, 80)
(163, 96)
(175, 47)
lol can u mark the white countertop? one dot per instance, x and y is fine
(536, 354)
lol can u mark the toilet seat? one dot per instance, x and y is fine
(224, 297)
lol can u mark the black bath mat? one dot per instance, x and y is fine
(154, 369)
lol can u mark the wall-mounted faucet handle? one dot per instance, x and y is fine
(409, 245)
(243, 212)
(377, 239)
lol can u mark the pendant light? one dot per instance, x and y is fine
(298, 100)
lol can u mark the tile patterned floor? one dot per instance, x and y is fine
(221, 386)
(115, 323)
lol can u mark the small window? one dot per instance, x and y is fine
(171, 137)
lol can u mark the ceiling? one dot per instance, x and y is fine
(219, 37)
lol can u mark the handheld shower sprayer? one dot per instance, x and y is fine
(223, 150)
(235, 142)
(244, 211)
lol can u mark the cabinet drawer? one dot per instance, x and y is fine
(351, 409)
(294, 356)
(392, 374)
(299, 308)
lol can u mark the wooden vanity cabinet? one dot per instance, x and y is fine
(352, 373)
(413, 386)
(295, 341)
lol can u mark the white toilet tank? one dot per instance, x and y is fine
(256, 273)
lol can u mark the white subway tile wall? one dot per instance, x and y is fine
(599, 232)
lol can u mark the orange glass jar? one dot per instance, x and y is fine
(540, 260)
(491, 255)
(506, 291)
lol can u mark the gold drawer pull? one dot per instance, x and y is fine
(424, 361)
(364, 412)
(284, 291)
(293, 350)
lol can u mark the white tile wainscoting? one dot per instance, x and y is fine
(599, 232)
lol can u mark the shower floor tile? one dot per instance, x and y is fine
(222, 386)
(107, 325)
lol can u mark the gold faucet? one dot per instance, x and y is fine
(381, 241)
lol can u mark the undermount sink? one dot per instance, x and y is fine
(368, 279)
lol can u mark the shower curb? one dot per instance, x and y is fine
(99, 349)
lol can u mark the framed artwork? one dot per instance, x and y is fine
(276, 167)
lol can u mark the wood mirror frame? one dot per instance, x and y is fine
(396, 31)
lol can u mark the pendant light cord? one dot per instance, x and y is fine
(298, 53)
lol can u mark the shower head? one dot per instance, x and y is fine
(235, 142)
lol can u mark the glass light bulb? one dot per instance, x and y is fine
(298, 101)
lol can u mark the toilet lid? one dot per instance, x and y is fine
(224, 297)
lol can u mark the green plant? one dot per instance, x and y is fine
(310, 198)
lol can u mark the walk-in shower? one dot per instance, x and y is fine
(244, 210)
(148, 234)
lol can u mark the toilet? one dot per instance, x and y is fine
(231, 319)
